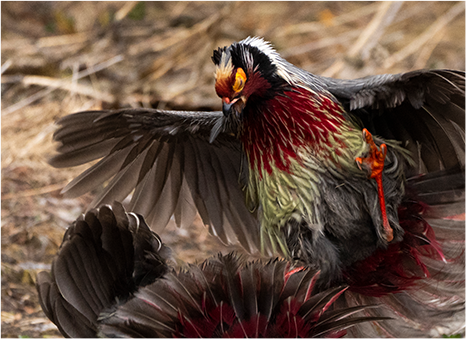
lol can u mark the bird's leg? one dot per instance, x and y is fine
(374, 162)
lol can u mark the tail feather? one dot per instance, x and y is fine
(110, 279)
(197, 315)
(62, 313)
(96, 265)
(440, 193)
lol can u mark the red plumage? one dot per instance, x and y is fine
(400, 265)
(275, 130)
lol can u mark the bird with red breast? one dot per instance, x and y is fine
(362, 179)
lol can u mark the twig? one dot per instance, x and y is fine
(370, 35)
(319, 44)
(67, 39)
(30, 46)
(157, 45)
(36, 141)
(386, 19)
(53, 85)
(27, 101)
(179, 8)
(426, 52)
(74, 78)
(101, 66)
(6, 65)
(428, 34)
(68, 86)
(123, 11)
(34, 191)
(315, 26)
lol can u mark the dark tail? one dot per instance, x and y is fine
(110, 279)
(106, 255)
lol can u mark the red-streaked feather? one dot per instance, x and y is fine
(268, 139)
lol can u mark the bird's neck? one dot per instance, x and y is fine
(294, 124)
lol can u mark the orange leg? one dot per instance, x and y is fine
(375, 163)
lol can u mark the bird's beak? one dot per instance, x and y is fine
(234, 106)
(228, 105)
(226, 108)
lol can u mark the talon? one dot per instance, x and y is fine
(359, 162)
(374, 163)
(366, 135)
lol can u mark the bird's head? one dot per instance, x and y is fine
(247, 73)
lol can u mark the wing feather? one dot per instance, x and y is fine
(165, 160)
(423, 109)
(96, 175)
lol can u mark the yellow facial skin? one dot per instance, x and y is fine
(240, 80)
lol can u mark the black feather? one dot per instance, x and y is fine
(104, 258)
(110, 279)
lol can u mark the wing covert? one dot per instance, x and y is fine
(423, 109)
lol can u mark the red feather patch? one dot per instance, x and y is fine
(399, 266)
(276, 130)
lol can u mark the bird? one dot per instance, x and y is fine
(363, 179)
(111, 278)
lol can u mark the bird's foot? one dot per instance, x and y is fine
(374, 164)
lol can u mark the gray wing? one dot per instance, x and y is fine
(423, 109)
(165, 160)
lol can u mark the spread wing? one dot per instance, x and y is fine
(165, 160)
(423, 109)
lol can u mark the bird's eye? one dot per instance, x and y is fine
(240, 80)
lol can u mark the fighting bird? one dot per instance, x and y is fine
(362, 179)
(111, 278)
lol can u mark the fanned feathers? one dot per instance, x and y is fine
(110, 279)
(106, 255)
(165, 157)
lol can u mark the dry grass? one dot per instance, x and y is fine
(62, 57)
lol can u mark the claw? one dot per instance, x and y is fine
(375, 163)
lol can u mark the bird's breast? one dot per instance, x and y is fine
(276, 131)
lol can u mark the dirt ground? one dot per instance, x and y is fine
(63, 57)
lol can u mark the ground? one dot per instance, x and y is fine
(63, 57)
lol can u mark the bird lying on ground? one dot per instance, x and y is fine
(360, 178)
(110, 278)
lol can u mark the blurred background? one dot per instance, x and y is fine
(63, 57)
